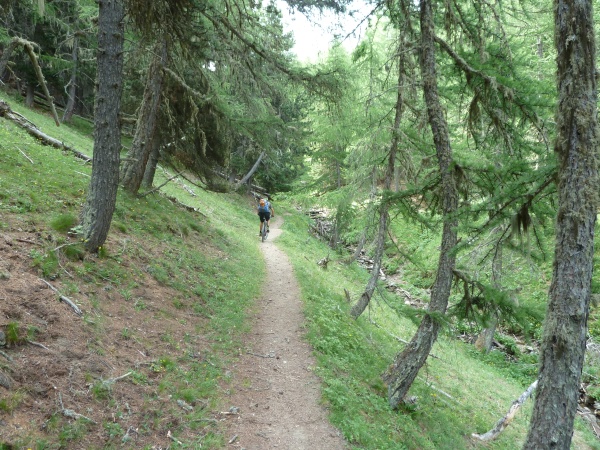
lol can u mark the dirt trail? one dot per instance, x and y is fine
(274, 392)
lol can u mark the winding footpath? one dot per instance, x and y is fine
(275, 397)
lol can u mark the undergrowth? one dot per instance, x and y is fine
(459, 391)
(213, 264)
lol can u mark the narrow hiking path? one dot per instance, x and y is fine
(274, 394)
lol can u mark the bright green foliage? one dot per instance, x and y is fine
(12, 333)
(64, 222)
(148, 223)
(453, 391)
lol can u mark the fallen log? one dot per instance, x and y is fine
(18, 119)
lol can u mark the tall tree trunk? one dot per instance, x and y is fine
(403, 371)
(152, 163)
(6, 54)
(72, 86)
(486, 337)
(134, 165)
(29, 95)
(102, 196)
(362, 303)
(565, 327)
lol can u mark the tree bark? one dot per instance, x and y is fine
(6, 54)
(102, 195)
(405, 368)
(486, 337)
(148, 179)
(72, 86)
(40, 76)
(29, 95)
(134, 166)
(362, 303)
(565, 326)
(252, 170)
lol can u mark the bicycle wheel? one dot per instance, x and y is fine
(264, 233)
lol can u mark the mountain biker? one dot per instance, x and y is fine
(265, 212)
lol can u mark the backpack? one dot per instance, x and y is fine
(264, 206)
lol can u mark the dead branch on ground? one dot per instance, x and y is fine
(64, 299)
(111, 381)
(173, 438)
(72, 414)
(158, 187)
(23, 153)
(37, 344)
(28, 242)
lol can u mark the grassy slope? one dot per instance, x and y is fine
(458, 394)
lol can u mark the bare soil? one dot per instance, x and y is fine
(50, 375)
(275, 396)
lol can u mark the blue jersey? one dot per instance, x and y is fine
(265, 208)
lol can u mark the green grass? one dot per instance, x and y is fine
(209, 258)
(459, 391)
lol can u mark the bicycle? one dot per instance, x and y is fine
(264, 232)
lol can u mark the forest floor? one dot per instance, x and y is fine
(274, 395)
(105, 366)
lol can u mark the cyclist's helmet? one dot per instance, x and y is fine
(262, 202)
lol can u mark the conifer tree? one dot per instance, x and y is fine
(565, 326)
(407, 364)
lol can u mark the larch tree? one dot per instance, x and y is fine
(134, 165)
(98, 210)
(406, 365)
(364, 299)
(96, 215)
(565, 327)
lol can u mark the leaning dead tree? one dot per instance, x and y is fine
(252, 170)
(510, 415)
(28, 47)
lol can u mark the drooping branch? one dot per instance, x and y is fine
(194, 93)
(507, 92)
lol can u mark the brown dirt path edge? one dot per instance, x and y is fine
(274, 394)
